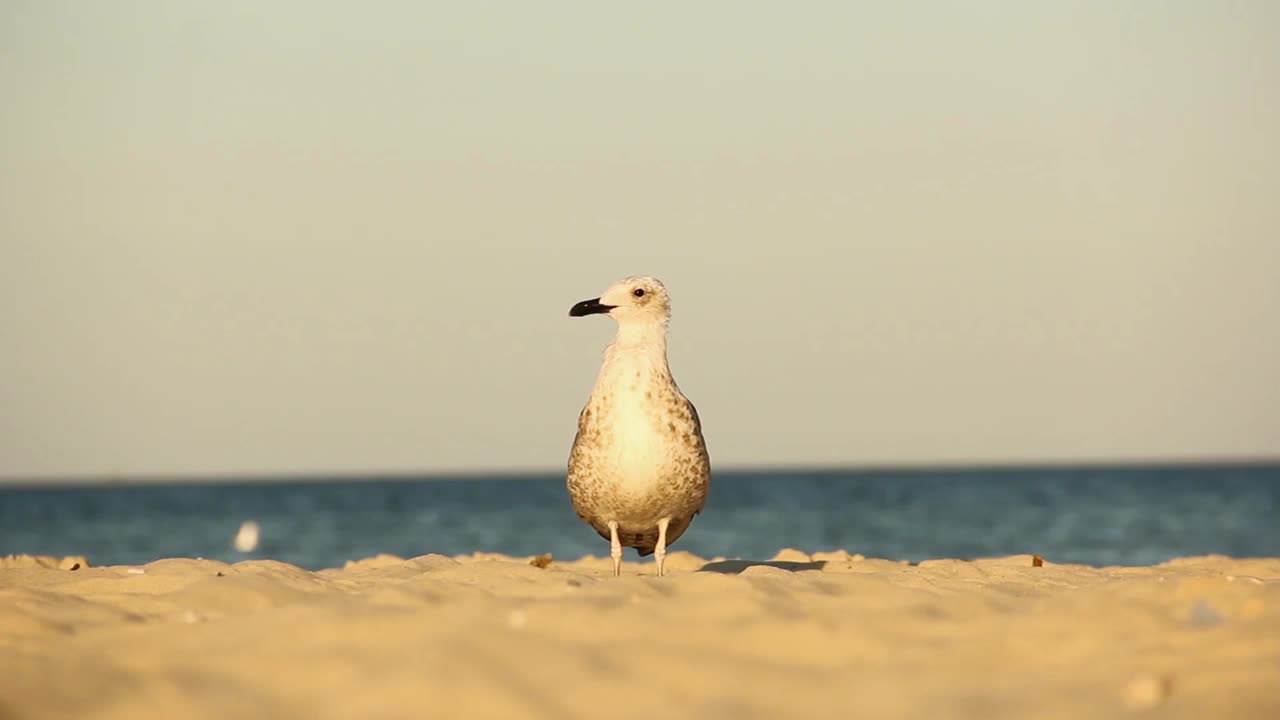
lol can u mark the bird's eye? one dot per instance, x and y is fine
(638, 292)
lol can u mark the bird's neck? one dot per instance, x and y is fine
(639, 348)
(641, 337)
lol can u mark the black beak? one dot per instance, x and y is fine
(589, 307)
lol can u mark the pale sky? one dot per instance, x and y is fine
(289, 237)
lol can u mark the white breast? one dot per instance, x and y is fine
(639, 449)
(636, 451)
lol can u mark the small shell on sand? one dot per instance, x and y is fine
(517, 619)
(1147, 691)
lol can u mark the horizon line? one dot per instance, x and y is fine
(498, 473)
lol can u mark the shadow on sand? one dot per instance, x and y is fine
(733, 567)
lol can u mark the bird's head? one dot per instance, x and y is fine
(633, 300)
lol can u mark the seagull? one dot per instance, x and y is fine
(638, 470)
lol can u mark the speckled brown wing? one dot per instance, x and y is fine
(581, 468)
(703, 457)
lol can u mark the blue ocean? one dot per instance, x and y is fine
(1101, 516)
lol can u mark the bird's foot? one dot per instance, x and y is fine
(615, 548)
(660, 550)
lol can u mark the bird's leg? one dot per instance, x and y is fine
(660, 550)
(615, 548)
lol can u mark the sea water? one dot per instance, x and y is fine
(1100, 516)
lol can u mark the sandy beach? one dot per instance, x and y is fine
(825, 635)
